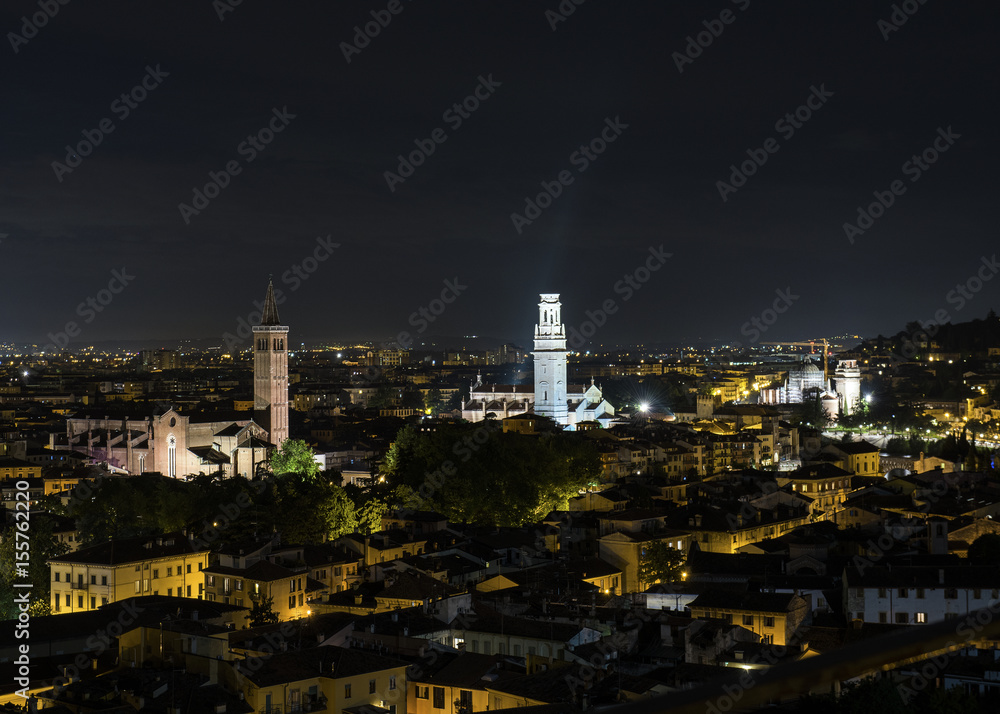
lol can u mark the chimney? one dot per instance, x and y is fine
(697, 520)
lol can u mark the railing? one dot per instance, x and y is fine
(79, 586)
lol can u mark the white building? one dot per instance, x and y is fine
(552, 396)
(917, 595)
(848, 379)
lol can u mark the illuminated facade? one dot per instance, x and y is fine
(848, 378)
(567, 405)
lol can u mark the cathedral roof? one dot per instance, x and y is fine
(270, 314)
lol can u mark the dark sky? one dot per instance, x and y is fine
(656, 184)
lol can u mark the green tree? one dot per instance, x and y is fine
(262, 611)
(660, 563)
(369, 515)
(312, 511)
(985, 550)
(42, 545)
(433, 401)
(294, 457)
(475, 473)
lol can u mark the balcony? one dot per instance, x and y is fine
(79, 586)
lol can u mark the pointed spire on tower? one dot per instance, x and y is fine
(269, 316)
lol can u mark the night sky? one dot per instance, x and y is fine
(880, 95)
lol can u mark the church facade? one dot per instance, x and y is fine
(159, 438)
(550, 396)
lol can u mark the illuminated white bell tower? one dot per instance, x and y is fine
(848, 378)
(550, 361)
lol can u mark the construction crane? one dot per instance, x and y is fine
(812, 345)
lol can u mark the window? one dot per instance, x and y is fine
(883, 617)
(67, 599)
(170, 571)
(57, 575)
(768, 622)
(104, 601)
(137, 586)
(347, 691)
(977, 593)
(881, 592)
(920, 617)
(170, 592)
(371, 688)
(104, 580)
(93, 580)
(156, 573)
(439, 697)
(422, 692)
(189, 567)
(920, 593)
(392, 682)
(189, 591)
(950, 594)
(239, 585)
(211, 581)
(93, 602)
(465, 699)
(904, 592)
(79, 601)
(902, 618)
(748, 620)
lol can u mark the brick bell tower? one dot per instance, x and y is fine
(270, 371)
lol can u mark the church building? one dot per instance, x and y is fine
(143, 438)
(551, 396)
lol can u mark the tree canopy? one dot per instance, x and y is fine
(475, 473)
(294, 457)
(660, 563)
